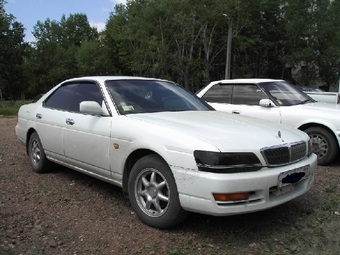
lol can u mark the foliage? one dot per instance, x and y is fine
(12, 53)
(10, 108)
(184, 41)
(53, 54)
(91, 59)
(311, 46)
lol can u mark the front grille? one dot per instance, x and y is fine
(284, 154)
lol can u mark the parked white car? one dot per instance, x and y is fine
(327, 97)
(170, 152)
(280, 102)
(321, 95)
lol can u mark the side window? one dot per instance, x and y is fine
(86, 92)
(61, 99)
(248, 94)
(219, 93)
(69, 96)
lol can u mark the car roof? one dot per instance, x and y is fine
(105, 78)
(247, 80)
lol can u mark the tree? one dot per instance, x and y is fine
(136, 36)
(326, 46)
(159, 38)
(92, 59)
(183, 41)
(258, 40)
(312, 40)
(76, 29)
(12, 52)
(55, 49)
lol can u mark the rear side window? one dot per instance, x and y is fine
(70, 95)
(61, 99)
(219, 93)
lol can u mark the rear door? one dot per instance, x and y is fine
(50, 121)
(219, 97)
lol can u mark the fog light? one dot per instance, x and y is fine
(231, 197)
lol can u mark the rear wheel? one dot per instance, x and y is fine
(324, 144)
(153, 193)
(39, 162)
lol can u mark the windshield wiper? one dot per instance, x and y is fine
(175, 110)
(306, 101)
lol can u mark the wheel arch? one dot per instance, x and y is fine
(28, 135)
(131, 160)
(309, 125)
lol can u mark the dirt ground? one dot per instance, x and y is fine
(65, 212)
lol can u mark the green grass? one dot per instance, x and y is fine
(4, 251)
(10, 108)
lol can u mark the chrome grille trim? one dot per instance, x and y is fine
(284, 154)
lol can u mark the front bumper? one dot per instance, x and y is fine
(196, 189)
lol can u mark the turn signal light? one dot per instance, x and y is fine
(231, 197)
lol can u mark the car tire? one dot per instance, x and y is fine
(153, 193)
(39, 162)
(324, 144)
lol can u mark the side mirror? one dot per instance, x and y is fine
(266, 103)
(91, 107)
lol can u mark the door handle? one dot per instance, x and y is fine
(38, 116)
(70, 121)
(236, 111)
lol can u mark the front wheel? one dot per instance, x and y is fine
(324, 144)
(153, 193)
(39, 162)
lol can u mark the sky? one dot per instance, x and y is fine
(29, 12)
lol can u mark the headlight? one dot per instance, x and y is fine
(227, 162)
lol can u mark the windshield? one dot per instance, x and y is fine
(142, 96)
(285, 94)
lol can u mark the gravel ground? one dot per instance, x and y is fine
(65, 212)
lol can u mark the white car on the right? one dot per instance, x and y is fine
(327, 97)
(281, 102)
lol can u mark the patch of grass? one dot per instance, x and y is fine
(6, 177)
(10, 108)
(175, 250)
(122, 247)
(330, 189)
(3, 251)
(94, 249)
(68, 239)
(50, 203)
(5, 215)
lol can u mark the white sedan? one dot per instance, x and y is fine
(170, 152)
(280, 102)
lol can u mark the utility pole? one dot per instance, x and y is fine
(228, 55)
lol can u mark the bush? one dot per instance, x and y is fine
(10, 108)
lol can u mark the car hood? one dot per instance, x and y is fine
(223, 130)
(321, 107)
